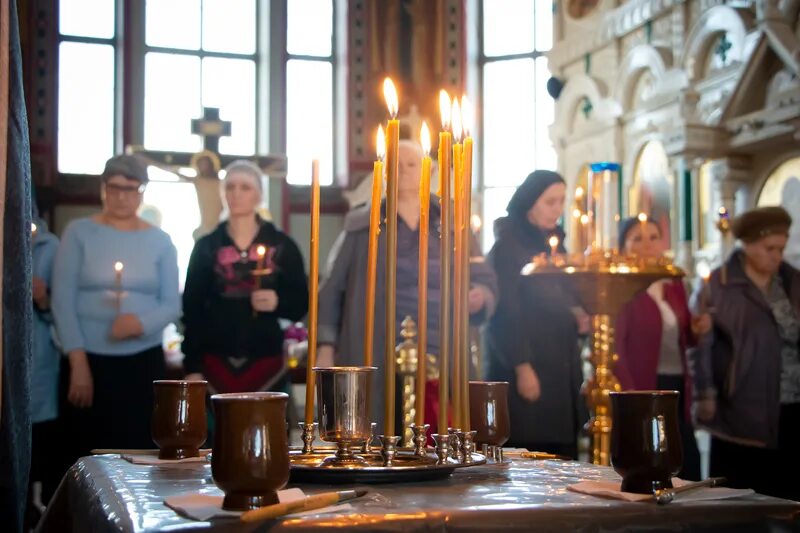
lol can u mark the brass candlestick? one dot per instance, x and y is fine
(602, 282)
(407, 361)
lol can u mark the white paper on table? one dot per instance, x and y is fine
(206, 506)
(611, 489)
(152, 459)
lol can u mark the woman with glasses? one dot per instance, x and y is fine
(115, 289)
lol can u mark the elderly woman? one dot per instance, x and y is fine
(242, 278)
(748, 370)
(115, 289)
(654, 332)
(532, 340)
(343, 292)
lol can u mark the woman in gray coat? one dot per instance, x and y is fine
(747, 368)
(342, 294)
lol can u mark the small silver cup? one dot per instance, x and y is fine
(342, 400)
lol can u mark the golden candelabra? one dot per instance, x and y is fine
(603, 282)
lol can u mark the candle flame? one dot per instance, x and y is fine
(723, 213)
(642, 217)
(425, 138)
(118, 266)
(33, 227)
(456, 117)
(577, 213)
(704, 271)
(261, 250)
(390, 94)
(467, 115)
(380, 143)
(579, 192)
(444, 108)
(476, 222)
(553, 241)
(584, 219)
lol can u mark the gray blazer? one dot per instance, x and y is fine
(739, 361)
(342, 297)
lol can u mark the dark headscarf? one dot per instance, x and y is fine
(627, 225)
(531, 189)
(756, 224)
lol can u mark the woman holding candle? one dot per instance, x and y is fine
(532, 340)
(113, 335)
(242, 278)
(747, 369)
(342, 294)
(654, 333)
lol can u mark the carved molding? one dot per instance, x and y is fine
(577, 88)
(610, 25)
(717, 20)
(641, 57)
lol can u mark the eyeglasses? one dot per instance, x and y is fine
(112, 188)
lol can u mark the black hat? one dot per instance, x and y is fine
(127, 165)
(531, 189)
(762, 222)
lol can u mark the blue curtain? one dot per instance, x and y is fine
(15, 427)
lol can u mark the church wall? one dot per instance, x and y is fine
(330, 226)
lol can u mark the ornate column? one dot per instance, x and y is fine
(686, 168)
(730, 178)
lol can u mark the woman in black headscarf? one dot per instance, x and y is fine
(532, 339)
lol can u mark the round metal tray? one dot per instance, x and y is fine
(309, 468)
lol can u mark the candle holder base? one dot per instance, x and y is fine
(420, 439)
(406, 466)
(308, 435)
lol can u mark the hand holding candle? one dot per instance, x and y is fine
(553, 242)
(118, 267)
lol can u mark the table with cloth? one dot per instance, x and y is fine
(108, 493)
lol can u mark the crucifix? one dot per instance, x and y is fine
(206, 164)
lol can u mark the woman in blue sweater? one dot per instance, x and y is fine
(115, 288)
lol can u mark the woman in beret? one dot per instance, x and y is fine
(747, 370)
(654, 332)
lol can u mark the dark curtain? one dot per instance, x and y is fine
(15, 427)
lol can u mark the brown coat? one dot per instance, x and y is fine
(739, 361)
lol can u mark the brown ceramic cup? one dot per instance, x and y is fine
(646, 447)
(178, 425)
(488, 412)
(250, 461)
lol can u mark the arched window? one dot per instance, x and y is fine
(782, 187)
(652, 190)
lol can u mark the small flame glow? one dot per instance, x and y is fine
(118, 266)
(584, 219)
(642, 217)
(577, 213)
(704, 271)
(425, 138)
(33, 227)
(458, 131)
(476, 222)
(380, 143)
(579, 192)
(390, 94)
(261, 250)
(444, 108)
(553, 241)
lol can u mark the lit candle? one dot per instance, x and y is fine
(553, 242)
(422, 287)
(392, 141)
(458, 265)
(372, 251)
(118, 267)
(467, 120)
(33, 228)
(261, 251)
(476, 223)
(445, 140)
(642, 226)
(313, 281)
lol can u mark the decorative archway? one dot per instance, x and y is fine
(642, 58)
(782, 187)
(652, 191)
(717, 21)
(577, 91)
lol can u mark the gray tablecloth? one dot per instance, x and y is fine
(106, 493)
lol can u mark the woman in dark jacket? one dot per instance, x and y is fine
(532, 340)
(232, 337)
(654, 332)
(747, 372)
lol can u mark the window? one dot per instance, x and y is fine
(309, 89)
(517, 110)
